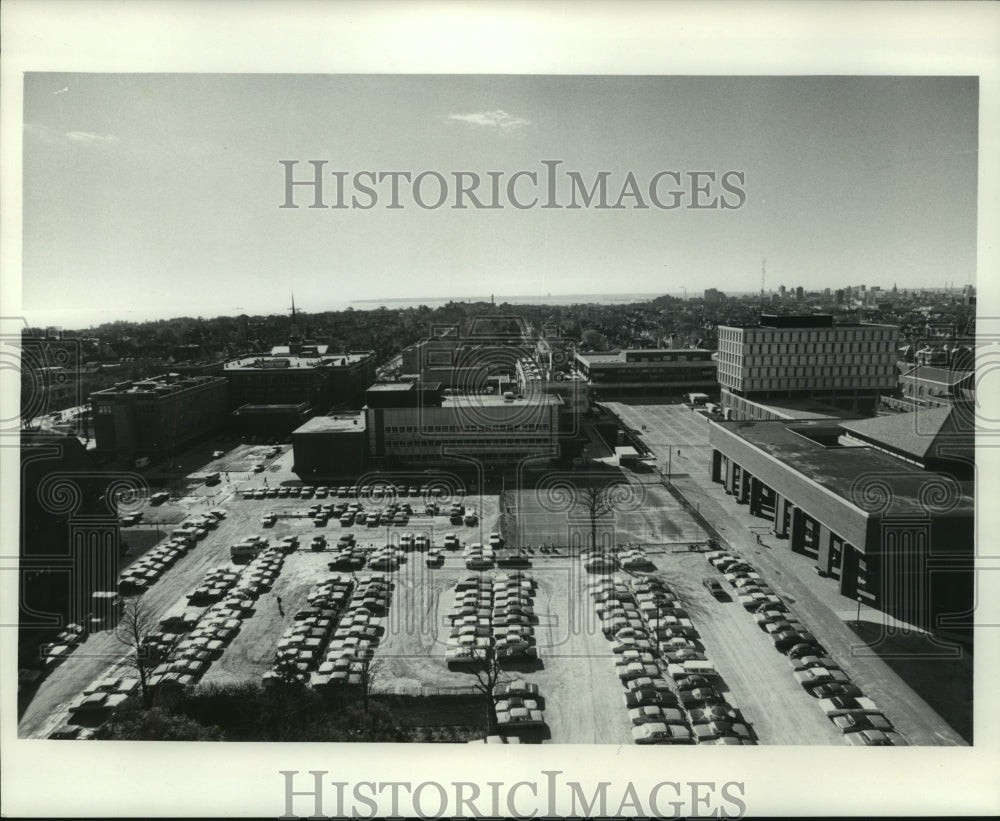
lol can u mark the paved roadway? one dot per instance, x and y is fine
(814, 600)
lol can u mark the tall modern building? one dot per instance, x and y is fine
(794, 359)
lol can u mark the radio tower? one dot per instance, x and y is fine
(763, 279)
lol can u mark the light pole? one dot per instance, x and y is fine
(670, 453)
(857, 619)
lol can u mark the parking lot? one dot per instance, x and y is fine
(929, 697)
(575, 671)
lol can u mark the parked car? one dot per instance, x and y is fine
(714, 586)
(657, 732)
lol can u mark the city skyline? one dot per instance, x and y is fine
(163, 192)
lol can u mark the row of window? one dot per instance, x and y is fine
(813, 381)
(492, 442)
(486, 456)
(795, 335)
(817, 370)
(653, 375)
(798, 347)
(803, 358)
(665, 358)
(527, 426)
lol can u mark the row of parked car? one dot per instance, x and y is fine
(98, 701)
(517, 705)
(300, 646)
(66, 641)
(673, 692)
(356, 631)
(193, 640)
(492, 616)
(138, 577)
(375, 493)
(840, 700)
(610, 559)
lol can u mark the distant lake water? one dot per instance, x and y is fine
(499, 299)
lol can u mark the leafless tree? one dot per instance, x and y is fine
(371, 670)
(488, 674)
(133, 630)
(597, 501)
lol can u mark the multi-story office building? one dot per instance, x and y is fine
(463, 364)
(419, 424)
(325, 382)
(157, 417)
(805, 358)
(659, 371)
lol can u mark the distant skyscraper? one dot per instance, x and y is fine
(799, 294)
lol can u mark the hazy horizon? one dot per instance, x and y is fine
(157, 195)
(71, 319)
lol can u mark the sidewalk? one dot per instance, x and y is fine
(914, 678)
(871, 652)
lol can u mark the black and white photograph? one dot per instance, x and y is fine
(376, 402)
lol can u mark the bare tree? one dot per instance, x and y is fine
(597, 501)
(133, 630)
(488, 674)
(371, 670)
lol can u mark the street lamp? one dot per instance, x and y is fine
(857, 619)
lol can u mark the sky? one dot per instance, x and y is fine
(156, 195)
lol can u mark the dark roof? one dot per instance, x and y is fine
(839, 469)
(931, 373)
(934, 432)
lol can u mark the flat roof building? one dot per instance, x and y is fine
(642, 371)
(157, 417)
(331, 447)
(322, 381)
(805, 357)
(888, 528)
(463, 363)
(481, 428)
(270, 421)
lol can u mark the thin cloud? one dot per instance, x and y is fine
(53, 137)
(90, 137)
(492, 119)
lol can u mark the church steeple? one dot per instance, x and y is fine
(294, 337)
